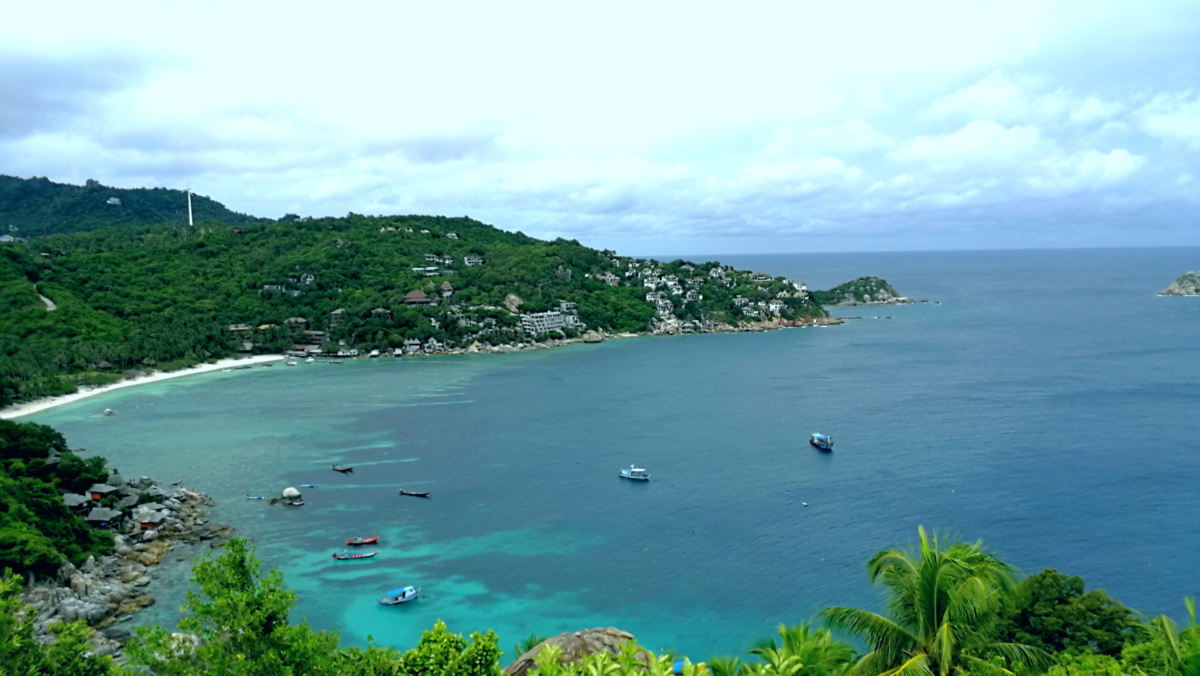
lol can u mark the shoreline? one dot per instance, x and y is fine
(45, 403)
(38, 405)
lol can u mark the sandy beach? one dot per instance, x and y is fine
(31, 407)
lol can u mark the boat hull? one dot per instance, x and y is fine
(824, 446)
(351, 557)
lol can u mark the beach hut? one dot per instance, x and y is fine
(77, 503)
(100, 491)
(104, 517)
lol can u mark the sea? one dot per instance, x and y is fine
(1044, 402)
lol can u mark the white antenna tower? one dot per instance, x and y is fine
(189, 192)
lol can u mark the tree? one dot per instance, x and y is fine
(1051, 611)
(242, 627)
(815, 652)
(944, 600)
(69, 654)
(1180, 648)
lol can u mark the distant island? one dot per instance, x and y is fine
(1187, 285)
(96, 290)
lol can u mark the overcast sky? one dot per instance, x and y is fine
(647, 127)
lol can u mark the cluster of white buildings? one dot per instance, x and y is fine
(565, 317)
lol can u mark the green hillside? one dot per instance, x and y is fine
(39, 206)
(166, 296)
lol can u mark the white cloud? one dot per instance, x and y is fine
(1173, 118)
(1085, 171)
(979, 143)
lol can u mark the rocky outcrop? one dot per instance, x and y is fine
(1186, 285)
(575, 645)
(593, 337)
(106, 591)
(861, 291)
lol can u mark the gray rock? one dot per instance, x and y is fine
(575, 645)
(89, 566)
(1187, 285)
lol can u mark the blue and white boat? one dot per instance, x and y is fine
(821, 441)
(402, 595)
(635, 473)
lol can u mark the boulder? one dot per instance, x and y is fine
(290, 493)
(575, 645)
(592, 337)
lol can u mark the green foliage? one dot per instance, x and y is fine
(1085, 664)
(1051, 611)
(804, 651)
(860, 290)
(38, 206)
(37, 531)
(240, 622)
(69, 654)
(631, 661)
(944, 600)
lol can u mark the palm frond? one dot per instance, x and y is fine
(887, 639)
(1022, 655)
(917, 665)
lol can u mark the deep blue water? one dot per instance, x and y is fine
(1048, 406)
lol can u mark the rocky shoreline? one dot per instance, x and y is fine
(599, 336)
(106, 592)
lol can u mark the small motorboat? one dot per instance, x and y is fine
(821, 441)
(267, 365)
(292, 362)
(635, 473)
(343, 470)
(310, 360)
(415, 494)
(254, 497)
(109, 411)
(358, 541)
(308, 485)
(402, 595)
(347, 557)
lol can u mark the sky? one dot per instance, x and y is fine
(644, 127)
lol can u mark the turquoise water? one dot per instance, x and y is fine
(1047, 406)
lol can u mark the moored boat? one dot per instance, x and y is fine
(355, 542)
(402, 595)
(415, 494)
(343, 470)
(821, 441)
(364, 555)
(635, 473)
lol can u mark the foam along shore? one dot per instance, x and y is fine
(39, 405)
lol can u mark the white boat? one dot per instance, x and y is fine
(821, 441)
(291, 362)
(635, 473)
(402, 595)
(310, 360)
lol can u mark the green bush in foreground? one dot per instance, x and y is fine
(945, 605)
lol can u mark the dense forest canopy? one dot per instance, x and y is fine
(110, 294)
(37, 206)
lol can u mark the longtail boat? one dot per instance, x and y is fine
(346, 557)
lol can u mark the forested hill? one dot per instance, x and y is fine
(39, 206)
(89, 307)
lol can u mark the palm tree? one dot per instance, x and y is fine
(1182, 647)
(943, 601)
(816, 652)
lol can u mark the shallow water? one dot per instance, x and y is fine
(1047, 406)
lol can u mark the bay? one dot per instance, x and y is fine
(1047, 405)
